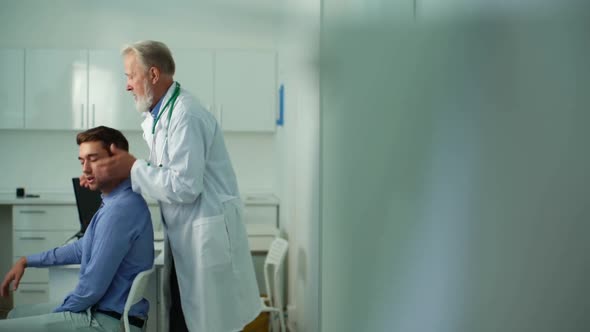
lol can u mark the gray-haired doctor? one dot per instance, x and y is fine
(213, 287)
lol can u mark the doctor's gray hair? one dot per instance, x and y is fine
(152, 53)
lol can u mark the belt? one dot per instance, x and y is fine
(135, 321)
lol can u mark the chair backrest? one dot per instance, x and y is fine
(275, 258)
(136, 293)
(277, 251)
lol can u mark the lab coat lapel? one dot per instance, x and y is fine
(146, 125)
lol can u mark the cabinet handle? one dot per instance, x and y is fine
(221, 116)
(33, 212)
(33, 291)
(32, 238)
(82, 116)
(93, 115)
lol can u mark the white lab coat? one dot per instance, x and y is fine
(198, 195)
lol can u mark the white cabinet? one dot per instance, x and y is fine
(109, 103)
(38, 228)
(245, 90)
(261, 215)
(67, 89)
(32, 242)
(31, 294)
(194, 71)
(12, 67)
(237, 86)
(56, 85)
(77, 89)
(45, 218)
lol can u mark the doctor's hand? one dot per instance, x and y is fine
(15, 274)
(117, 166)
(83, 181)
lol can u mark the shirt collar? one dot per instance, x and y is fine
(154, 111)
(118, 190)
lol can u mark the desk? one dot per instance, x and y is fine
(62, 278)
(30, 225)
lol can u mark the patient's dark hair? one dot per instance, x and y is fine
(106, 136)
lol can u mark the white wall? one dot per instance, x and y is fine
(45, 161)
(455, 175)
(298, 53)
(111, 24)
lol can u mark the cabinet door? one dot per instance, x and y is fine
(109, 103)
(245, 84)
(12, 67)
(56, 84)
(265, 215)
(31, 242)
(31, 294)
(46, 218)
(194, 72)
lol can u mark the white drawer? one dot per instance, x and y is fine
(34, 275)
(31, 294)
(45, 217)
(31, 242)
(266, 215)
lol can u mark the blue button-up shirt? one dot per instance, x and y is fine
(118, 244)
(156, 108)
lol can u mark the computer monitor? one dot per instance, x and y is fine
(88, 202)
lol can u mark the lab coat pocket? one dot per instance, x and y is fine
(212, 242)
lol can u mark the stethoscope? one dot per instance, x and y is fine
(170, 103)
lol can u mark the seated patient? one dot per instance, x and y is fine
(118, 244)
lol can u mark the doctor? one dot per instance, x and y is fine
(208, 263)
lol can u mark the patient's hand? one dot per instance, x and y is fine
(15, 274)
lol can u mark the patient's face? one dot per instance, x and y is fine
(90, 153)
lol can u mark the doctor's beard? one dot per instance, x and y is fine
(144, 103)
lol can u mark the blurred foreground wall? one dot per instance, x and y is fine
(454, 167)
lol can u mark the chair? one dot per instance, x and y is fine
(136, 294)
(275, 259)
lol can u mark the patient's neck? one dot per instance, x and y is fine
(108, 188)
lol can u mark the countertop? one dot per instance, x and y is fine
(259, 236)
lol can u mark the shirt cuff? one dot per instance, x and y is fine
(34, 260)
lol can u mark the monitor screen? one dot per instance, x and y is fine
(88, 202)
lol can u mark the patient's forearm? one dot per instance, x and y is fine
(68, 254)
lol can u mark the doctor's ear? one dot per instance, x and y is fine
(154, 74)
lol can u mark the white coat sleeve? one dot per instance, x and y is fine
(181, 180)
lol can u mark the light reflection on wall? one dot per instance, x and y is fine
(79, 93)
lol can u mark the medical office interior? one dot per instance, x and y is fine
(426, 160)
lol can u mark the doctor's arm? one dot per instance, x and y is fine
(181, 180)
